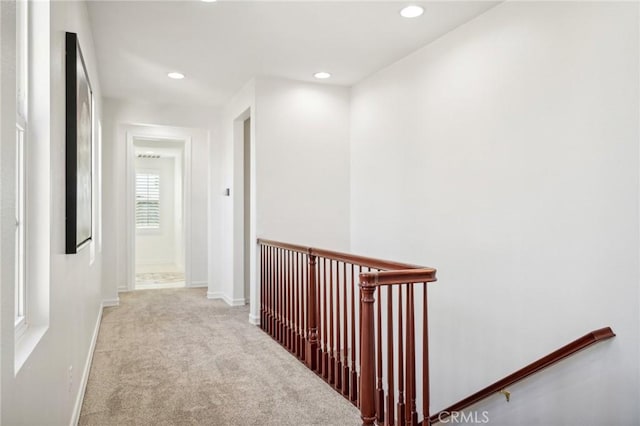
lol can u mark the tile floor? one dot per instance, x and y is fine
(152, 280)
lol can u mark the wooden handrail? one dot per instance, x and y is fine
(287, 246)
(403, 276)
(544, 362)
(368, 262)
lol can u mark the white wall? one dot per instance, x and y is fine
(158, 249)
(302, 163)
(197, 123)
(47, 387)
(300, 167)
(505, 154)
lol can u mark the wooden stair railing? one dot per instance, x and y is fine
(308, 304)
(320, 306)
(377, 405)
(542, 363)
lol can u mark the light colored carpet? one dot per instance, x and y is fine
(172, 357)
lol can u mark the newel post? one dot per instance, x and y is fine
(367, 351)
(312, 341)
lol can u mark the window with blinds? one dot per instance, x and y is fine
(147, 201)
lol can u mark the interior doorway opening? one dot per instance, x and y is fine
(245, 275)
(247, 209)
(159, 211)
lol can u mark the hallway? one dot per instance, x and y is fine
(495, 141)
(173, 357)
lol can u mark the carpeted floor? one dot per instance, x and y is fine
(172, 357)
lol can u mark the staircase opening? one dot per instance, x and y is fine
(362, 325)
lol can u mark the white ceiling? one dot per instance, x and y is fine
(220, 46)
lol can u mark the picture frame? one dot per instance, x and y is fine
(79, 147)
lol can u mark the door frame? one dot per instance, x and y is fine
(239, 298)
(156, 133)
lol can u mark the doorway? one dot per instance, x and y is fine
(245, 269)
(159, 206)
(247, 208)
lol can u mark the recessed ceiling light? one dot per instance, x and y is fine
(208, 1)
(175, 75)
(322, 75)
(411, 11)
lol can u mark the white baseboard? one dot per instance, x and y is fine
(198, 284)
(229, 301)
(75, 416)
(255, 320)
(233, 302)
(107, 303)
(214, 295)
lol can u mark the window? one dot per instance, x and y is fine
(31, 178)
(147, 201)
(22, 84)
(20, 240)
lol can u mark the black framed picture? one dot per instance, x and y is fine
(79, 135)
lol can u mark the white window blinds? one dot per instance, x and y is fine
(147, 201)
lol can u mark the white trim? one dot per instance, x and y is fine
(108, 303)
(26, 344)
(197, 284)
(255, 320)
(238, 214)
(38, 207)
(229, 301)
(213, 295)
(186, 208)
(75, 416)
(130, 213)
(153, 132)
(233, 302)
